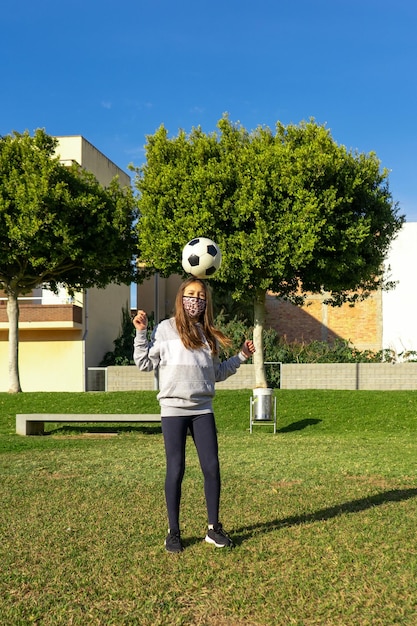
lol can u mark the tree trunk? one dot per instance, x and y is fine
(259, 323)
(13, 317)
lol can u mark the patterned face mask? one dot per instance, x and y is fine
(193, 306)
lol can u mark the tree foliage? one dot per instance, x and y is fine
(58, 225)
(292, 211)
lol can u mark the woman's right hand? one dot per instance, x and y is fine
(140, 321)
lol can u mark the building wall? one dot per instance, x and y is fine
(400, 304)
(104, 320)
(78, 149)
(58, 342)
(316, 321)
(157, 295)
(49, 360)
(386, 320)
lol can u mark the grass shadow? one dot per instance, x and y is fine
(103, 430)
(299, 425)
(354, 506)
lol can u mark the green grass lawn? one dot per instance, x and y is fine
(323, 515)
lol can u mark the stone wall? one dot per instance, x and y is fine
(129, 378)
(378, 376)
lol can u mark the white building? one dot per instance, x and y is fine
(399, 306)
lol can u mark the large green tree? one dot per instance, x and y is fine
(57, 225)
(292, 211)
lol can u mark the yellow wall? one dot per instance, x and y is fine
(54, 359)
(48, 361)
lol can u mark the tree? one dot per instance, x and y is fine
(57, 225)
(292, 211)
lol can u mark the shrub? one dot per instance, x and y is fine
(123, 345)
(278, 350)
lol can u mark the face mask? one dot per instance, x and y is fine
(193, 306)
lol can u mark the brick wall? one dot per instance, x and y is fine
(316, 321)
(46, 313)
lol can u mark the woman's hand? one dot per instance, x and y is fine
(248, 348)
(140, 321)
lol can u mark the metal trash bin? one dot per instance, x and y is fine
(262, 404)
(263, 407)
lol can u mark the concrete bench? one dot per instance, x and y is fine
(33, 423)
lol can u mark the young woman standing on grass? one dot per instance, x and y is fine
(185, 349)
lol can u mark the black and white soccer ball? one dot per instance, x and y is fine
(201, 257)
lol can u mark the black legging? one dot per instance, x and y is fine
(203, 431)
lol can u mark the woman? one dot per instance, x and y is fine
(185, 350)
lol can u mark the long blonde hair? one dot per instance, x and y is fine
(188, 330)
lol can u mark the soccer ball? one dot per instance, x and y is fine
(201, 257)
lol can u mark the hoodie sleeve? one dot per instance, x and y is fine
(224, 369)
(146, 355)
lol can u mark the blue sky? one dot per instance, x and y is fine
(115, 71)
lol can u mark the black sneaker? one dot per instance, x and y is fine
(173, 542)
(218, 537)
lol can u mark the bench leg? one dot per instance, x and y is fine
(35, 428)
(26, 427)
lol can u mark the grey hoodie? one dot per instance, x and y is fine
(186, 377)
